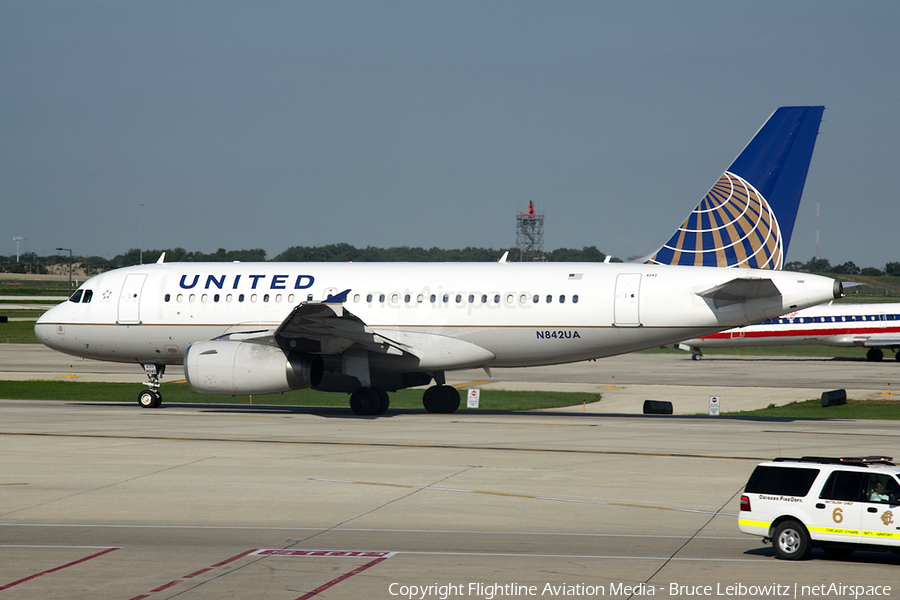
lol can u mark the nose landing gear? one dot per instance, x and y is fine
(151, 398)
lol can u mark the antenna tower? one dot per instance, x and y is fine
(530, 235)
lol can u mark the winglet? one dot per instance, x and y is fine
(337, 298)
(747, 218)
(161, 259)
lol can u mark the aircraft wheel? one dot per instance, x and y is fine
(149, 399)
(442, 399)
(874, 355)
(431, 399)
(451, 398)
(897, 356)
(365, 402)
(384, 401)
(696, 356)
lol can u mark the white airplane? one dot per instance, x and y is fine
(872, 326)
(370, 328)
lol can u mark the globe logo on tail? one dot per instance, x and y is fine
(733, 226)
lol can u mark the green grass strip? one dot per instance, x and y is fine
(813, 409)
(174, 393)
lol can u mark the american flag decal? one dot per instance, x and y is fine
(575, 275)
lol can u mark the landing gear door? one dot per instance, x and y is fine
(627, 306)
(130, 300)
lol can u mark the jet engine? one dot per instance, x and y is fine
(242, 367)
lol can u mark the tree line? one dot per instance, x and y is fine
(31, 263)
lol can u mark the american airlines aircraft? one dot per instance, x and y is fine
(872, 326)
(369, 328)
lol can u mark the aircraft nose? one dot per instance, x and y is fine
(46, 329)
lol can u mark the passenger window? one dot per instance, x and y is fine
(204, 297)
(484, 298)
(265, 297)
(309, 297)
(240, 297)
(549, 299)
(575, 299)
(420, 298)
(179, 297)
(446, 298)
(844, 485)
(781, 481)
(277, 297)
(562, 299)
(290, 298)
(381, 298)
(496, 298)
(216, 298)
(471, 298)
(76, 297)
(368, 297)
(536, 299)
(228, 298)
(168, 297)
(433, 298)
(407, 298)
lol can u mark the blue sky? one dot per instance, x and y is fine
(275, 124)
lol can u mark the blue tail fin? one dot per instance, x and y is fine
(747, 218)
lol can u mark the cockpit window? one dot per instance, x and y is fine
(88, 294)
(76, 297)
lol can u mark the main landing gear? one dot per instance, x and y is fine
(151, 398)
(369, 401)
(441, 399)
(373, 401)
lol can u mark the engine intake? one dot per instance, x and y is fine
(241, 367)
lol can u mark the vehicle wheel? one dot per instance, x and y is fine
(149, 399)
(365, 402)
(874, 354)
(791, 541)
(696, 356)
(431, 399)
(384, 401)
(450, 396)
(897, 356)
(837, 552)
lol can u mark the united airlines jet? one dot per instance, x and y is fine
(872, 326)
(367, 328)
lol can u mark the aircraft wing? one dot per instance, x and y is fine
(327, 328)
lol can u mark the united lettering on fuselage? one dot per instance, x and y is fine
(276, 282)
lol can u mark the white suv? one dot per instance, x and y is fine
(837, 504)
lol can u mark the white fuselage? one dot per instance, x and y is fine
(497, 314)
(831, 325)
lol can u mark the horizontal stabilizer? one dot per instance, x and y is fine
(741, 290)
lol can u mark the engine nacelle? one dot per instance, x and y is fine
(240, 367)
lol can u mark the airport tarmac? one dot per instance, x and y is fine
(112, 501)
(622, 382)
